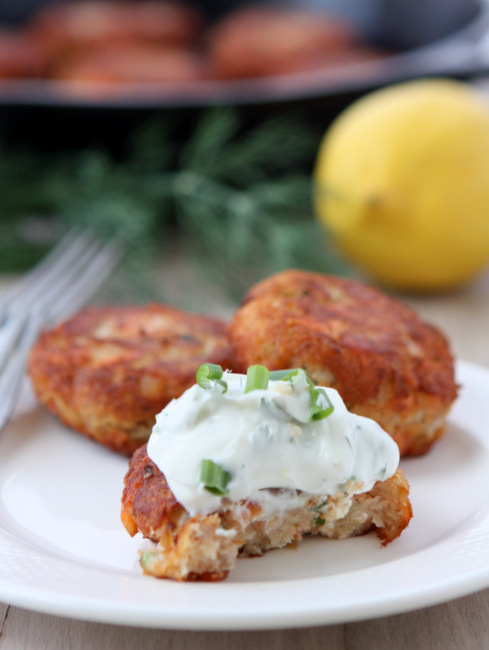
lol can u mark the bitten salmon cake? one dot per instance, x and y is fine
(109, 370)
(239, 465)
(206, 547)
(385, 362)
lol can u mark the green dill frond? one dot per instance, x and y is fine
(237, 200)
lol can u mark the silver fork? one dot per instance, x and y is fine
(57, 287)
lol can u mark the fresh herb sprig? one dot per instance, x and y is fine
(237, 201)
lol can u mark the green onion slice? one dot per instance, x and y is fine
(214, 477)
(321, 405)
(292, 376)
(277, 375)
(147, 558)
(257, 378)
(209, 374)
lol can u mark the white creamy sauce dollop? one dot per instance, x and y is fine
(266, 439)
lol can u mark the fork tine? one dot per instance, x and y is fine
(40, 276)
(84, 274)
(85, 284)
(11, 332)
(56, 265)
(13, 374)
(64, 283)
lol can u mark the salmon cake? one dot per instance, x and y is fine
(206, 547)
(273, 458)
(109, 370)
(385, 362)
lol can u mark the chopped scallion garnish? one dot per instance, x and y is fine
(209, 374)
(278, 375)
(293, 376)
(319, 410)
(257, 378)
(214, 477)
(321, 405)
(147, 558)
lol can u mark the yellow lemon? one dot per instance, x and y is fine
(402, 183)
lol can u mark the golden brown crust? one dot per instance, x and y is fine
(384, 361)
(108, 371)
(147, 501)
(386, 508)
(205, 547)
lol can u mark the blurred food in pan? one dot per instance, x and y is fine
(20, 56)
(67, 29)
(166, 42)
(257, 41)
(130, 62)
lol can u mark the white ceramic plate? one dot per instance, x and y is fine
(64, 551)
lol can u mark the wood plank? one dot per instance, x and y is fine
(4, 611)
(33, 631)
(461, 623)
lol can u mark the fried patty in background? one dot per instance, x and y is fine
(108, 371)
(386, 363)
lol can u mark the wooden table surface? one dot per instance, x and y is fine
(459, 624)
